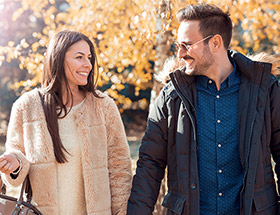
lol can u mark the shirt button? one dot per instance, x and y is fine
(193, 186)
(210, 81)
(220, 171)
(219, 145)
(220, 194)
(218, 121)
(218, 96)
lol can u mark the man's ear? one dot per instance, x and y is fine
(216, 43)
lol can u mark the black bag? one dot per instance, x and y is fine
(13, 206)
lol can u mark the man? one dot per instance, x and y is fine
(215, 126)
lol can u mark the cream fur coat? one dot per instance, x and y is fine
(106, 161)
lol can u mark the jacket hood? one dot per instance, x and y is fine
(170, 65)
(273, 59)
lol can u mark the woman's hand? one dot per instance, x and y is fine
(8, 163)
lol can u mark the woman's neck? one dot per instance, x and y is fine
(78, 97)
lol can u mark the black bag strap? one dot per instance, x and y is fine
(28, 190)
(25, 188)
(3, 189)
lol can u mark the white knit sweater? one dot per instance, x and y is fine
(71, 195)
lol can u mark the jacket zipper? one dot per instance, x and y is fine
(247, 159)
(183, 98)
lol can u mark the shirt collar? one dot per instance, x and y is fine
(234, 77)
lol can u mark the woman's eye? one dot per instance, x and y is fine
(79, 57)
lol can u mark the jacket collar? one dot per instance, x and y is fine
(256, 72)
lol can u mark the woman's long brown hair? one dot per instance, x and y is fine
(53, 78)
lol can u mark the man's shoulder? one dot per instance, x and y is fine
(253, 69)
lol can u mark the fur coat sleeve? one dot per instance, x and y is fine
(14, 144)
(119, 163)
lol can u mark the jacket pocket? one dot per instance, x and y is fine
(174, 203)
(265, 199)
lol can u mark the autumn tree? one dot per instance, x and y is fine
(132, 38)
(13, 39)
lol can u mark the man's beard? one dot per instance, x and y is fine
(202, 67)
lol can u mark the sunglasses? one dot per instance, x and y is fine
(185, 48)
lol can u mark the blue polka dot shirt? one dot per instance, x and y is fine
(220, 171)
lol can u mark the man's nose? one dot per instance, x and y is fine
(181, 53)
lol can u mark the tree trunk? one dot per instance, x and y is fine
(163, 50)
(163, 46)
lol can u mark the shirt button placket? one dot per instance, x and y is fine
(218, 156)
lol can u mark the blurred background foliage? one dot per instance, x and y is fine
(132, 38)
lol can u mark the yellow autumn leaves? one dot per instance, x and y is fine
(125, 35)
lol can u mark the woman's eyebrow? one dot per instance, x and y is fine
(80, 53)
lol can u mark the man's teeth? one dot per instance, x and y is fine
(189, 61)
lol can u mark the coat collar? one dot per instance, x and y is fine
(256, 72)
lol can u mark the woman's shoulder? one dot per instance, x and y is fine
(28, 97)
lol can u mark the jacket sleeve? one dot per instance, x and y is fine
(119, 161)
(15, 144)
(151, 163)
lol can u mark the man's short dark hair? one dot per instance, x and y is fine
(212, 20)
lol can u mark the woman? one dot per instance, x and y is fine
(69, 137)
